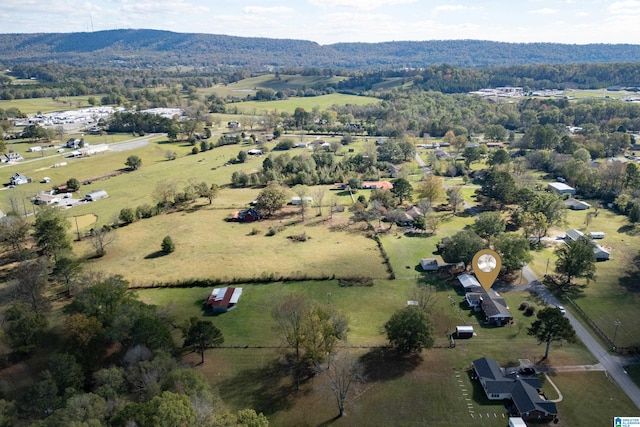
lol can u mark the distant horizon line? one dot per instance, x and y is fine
(328, 44)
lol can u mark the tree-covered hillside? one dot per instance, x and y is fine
(153, 48)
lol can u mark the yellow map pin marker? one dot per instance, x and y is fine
(486, 266)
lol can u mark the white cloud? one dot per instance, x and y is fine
(359, 4)
(629, 7)
(266, 10)
(162, 7)
(544, 11)
(449, 8)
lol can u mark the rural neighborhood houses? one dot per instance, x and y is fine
(19, 179)
(247, 215)
(493, 306)
(11, 157)
(601, 253)
(529, 402)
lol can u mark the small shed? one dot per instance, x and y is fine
(576, 205)
(429, 264)
(516, 422)
(464, 331)
(297, 201)
(601, 253)
(96, 195)
(596, 235)
(224, 299)
(561, 188)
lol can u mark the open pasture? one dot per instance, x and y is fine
(47, 105)
(308, 103)
(207, 246)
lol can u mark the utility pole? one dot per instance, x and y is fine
(615, 332)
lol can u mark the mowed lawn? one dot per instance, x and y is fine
(430, 389)
(605, 300)
(207, 246)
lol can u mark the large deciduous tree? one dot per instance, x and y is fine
(431, 188)
(289, 315)
(455, 199)
(462, 246)
(514, 251)
(489, 225)
(343, 372)
(410, 330)
(551, 326)
(272, 198)
(322, 328)
(576, 259)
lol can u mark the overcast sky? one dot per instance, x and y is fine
(332, 21)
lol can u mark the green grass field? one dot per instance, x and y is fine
(605, 300)
(308, 103)
(47, 105)
(249, 371)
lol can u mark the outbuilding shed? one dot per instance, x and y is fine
(96, 195)
(224, 299)
(464, 331)
(561, 188)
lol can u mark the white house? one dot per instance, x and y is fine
(18, 179)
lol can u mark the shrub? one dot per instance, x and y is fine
(272, 231)
(167, 245)
(302, 237)
(127, 215)
(523, 305)
(145, 211)
(529, 311)
(254, 231)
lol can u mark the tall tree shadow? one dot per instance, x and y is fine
(384, 364)
(267, 389)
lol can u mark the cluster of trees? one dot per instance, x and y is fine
(323, 167)
(166, 197)
(86, 383)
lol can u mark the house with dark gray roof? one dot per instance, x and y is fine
(523, 391)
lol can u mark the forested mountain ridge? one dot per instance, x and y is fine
(153, 48)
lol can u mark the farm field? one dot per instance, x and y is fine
(308, 103)
(209, 247)
(47, 105)
(250, 85)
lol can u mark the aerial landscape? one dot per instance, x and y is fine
(338, 213)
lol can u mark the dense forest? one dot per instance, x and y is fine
(157, 49)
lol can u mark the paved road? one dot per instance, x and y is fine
(614, 365)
